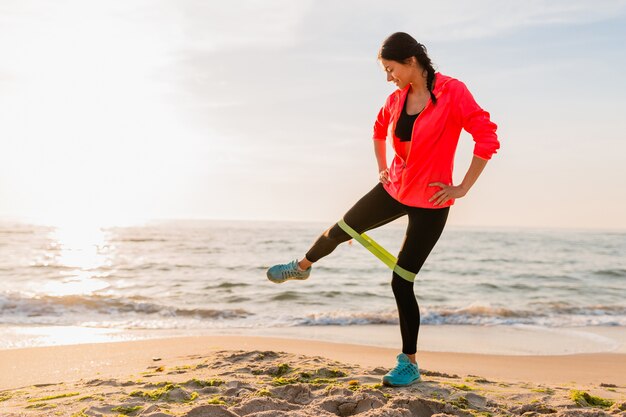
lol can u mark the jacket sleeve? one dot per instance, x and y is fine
(476, 122)
(382, 121)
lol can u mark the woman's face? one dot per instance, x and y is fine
(398, 73)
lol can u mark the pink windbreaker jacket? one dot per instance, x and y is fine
(430, 155)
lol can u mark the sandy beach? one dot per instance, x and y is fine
(249, 209)
(263, 376)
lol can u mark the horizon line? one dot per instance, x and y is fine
(145, 222)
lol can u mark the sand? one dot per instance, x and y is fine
(261, 376)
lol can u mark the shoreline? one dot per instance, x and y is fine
(52, 364)
(488, 340)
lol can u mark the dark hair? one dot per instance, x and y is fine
(400, 47)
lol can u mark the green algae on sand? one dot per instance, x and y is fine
(548, 391)
(53, 397)
(280, 370)
(332, 373)
(127, 410)
(284, 381)
(463, 387)
(205, 383)
(217, 400)
(263, 392)
(155, 394)
(165, 392)
(41, 406)
(584, 399)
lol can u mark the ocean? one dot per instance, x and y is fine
(191, 276)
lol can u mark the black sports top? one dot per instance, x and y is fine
(404, 126)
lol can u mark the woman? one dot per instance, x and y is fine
(423, 118)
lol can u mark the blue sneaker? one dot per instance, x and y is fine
(284, 272)
(405, 373)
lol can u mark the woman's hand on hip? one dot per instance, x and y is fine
(446, 193)
(383, 176)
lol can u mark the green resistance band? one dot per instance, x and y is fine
(378, 251)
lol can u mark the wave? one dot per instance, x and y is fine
(489, 286)
(469, 315)
(553, 315)
(486, 311)
(16, 232)
(139, 240)
(226, 285)
(80, 306)
(481, 315)
(148, 266)
(348, 318)
(617, 272)
(286, 295)
(594, 309)
(138, 310)
(10, 228)
(49, 266)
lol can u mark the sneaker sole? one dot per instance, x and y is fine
(285, 280)
(388, 384)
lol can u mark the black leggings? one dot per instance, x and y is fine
(375, 209)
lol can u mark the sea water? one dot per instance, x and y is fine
(193, 276)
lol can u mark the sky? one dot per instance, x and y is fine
(119, 111)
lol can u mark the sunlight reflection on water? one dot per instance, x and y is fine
(84, 248)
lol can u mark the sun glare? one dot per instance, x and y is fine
(63, 335)
(82, 248)
(80, 245)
